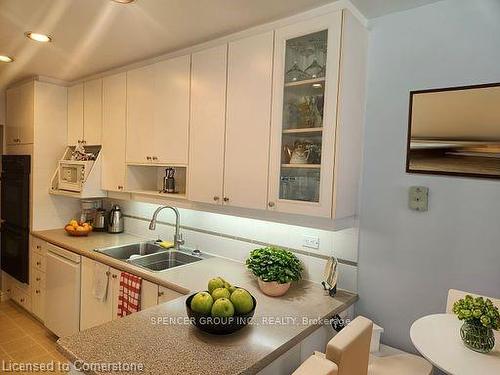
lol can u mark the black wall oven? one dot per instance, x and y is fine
(15, 180)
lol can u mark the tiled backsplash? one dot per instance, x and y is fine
(234, 237)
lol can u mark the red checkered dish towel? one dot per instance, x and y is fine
(129, 299)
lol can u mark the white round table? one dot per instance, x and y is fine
(437, 338)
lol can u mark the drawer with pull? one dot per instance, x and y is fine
(21, 298)
(37, 245)
(38, 279)
(38, 261)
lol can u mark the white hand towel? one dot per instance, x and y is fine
(100, 281)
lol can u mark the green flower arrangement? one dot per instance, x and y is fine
(274, 264)
(477, 311)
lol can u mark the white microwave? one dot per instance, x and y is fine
(72, 174)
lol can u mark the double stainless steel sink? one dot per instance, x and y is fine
(151, 256)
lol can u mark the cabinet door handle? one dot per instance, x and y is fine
(161, 294)
(120, 187)
(114, 276)
(37, 291)
(155, 157)
(37, 279)
(38, 263)
(216, 198)
(271, 204)
(226, 199)
(148, 157)
(38, 247)
(22, 300)
(108, 273)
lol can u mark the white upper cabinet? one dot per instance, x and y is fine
(158, 113)
(140, 115)
(208, 121)
(75, 114)
(92, 112)
(20, 114)
(250, 62)
(114, 131)
(85, 113)
(171, 110)
(303, 137)
(13, 105)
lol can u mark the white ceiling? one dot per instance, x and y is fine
(377, 8)
(91, 36)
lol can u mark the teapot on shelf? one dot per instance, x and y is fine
(299, 153)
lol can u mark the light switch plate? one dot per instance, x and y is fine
(311, 242)
(419, 198)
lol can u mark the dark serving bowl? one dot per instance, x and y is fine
(219, 326)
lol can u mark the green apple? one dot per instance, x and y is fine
(202, 303)
(220, 293)
(231, 289)
(215, 283)
(242, 301)
(222, 308)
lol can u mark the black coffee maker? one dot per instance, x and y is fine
(169, 181)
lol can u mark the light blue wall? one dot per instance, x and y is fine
(409, 260)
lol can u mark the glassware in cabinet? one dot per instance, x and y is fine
(303, 104)
(303, 129)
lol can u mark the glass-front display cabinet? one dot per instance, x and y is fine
(304, 116)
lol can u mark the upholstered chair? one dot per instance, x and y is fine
(348, 353)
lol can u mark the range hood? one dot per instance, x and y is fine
(79, 177)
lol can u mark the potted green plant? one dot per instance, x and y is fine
(275, 269)
(480, 318)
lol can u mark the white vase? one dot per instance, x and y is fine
(273, 288)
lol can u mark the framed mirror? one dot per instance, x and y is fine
(455, 131)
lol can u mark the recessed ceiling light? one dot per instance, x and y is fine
(6, 59)
(124, 1)
(37, 37)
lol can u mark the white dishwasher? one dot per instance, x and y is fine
(62, 284)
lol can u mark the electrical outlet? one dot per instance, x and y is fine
(311, 242)
(419, 198)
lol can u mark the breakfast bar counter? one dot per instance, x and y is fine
(163, 341)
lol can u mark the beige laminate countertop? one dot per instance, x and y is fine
(165, 343)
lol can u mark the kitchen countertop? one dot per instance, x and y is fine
(165, 343)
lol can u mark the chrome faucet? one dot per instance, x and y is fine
(178, 241)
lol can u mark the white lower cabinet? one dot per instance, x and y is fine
(94, 312)
(38, 294)
(32, 296)
(165, 294)
(16, 291)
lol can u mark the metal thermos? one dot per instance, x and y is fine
(115, 223)
(100, 221)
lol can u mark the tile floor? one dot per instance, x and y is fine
(23, 339)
